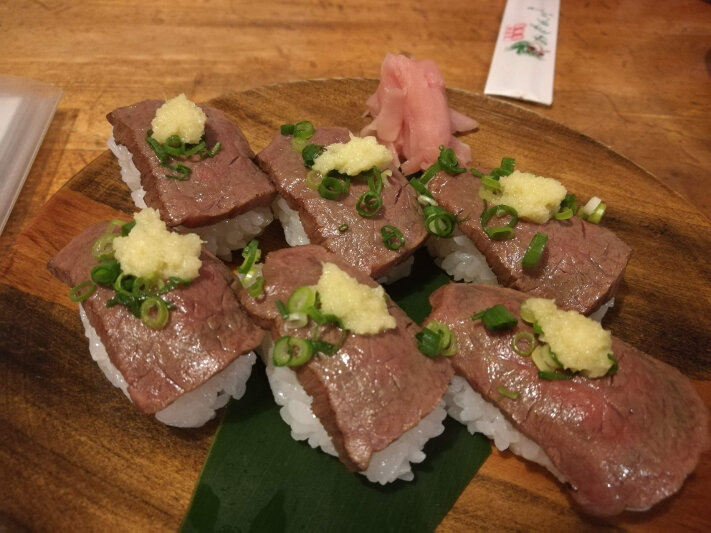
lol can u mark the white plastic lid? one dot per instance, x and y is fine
(26, 109)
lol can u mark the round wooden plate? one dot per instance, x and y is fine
(75, 453)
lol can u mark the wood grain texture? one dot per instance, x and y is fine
(75, 454)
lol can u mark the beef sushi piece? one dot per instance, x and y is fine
(184, 371)
(376, 400)
(225, 198)
(623, 441)
(581, 267)
(336, 225)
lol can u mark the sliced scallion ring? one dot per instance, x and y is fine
(154, 313)
(313, 180)
(528, 338)
(82, 291)
(393, 239)
(439, 221)
(369, 204)
(291, 351)
(499, 232)
(330, 188)
(301, 300)
(106, 272)
(103, 247)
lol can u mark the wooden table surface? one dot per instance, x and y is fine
(633, 75)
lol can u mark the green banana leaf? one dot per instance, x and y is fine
(258, 479)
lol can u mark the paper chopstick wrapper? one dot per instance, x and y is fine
(524, 58)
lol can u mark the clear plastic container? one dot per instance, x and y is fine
(26, 109)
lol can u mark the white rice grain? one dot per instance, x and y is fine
(291, 223)
(194, 408)
(459, 258)
(467, 406)
(387, 465)
(221, 237)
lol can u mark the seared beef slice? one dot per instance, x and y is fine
(219, 187)
(362, 244)
(624, 441)
(206, 331)
(582, 264)
(375, 387)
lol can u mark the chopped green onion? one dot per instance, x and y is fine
(199, 148)
(142, 286)
(328, 348)
(296, 320)
(554, 358)
(124, 283)
(127, 227)
(491, 183)
(597, 215)
(593, 211)
(343, 228)
(304, 130)
(283, 311)
(499, 232)
(425, 200)
(506, 393)
(330, 188)
(251, 254)
(534, 252)
(537, 329)
(446, 161)
(439, 221)
(287, 129)
(82, 291)
(216, 148)
(310, 153)
(517, 338)
(393, 239)
(504, 169)
(154, 312)
(369, 204)
(564, 214)
(106, 272)
(313, 180)
(103, 248)
(291, 351)
(375, 180)
(615, 365)
(428, 342)
(301, 299)
(448, 341)
(175, 148)
(496, 318)
(420, 187)
(567, 207)
(157, 148)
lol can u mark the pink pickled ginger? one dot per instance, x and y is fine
(411, 115)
